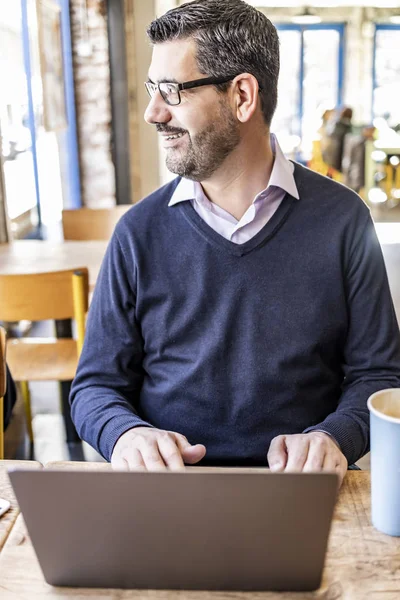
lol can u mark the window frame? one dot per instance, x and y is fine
(378, 27)
(341, 29)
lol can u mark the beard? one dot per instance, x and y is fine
(207, 150)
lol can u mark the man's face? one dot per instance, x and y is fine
(206, 128)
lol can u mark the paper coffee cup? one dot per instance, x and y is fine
(384, 407)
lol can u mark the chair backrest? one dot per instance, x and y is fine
(42, 296)
(92, 223)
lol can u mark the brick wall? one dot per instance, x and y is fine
(93, 104)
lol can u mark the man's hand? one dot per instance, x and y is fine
(306, 452)
(148, 449)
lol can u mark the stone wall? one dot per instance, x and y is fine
(93, 102)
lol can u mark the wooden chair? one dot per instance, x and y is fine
(38, 297)
(3, 386)
(91, 223)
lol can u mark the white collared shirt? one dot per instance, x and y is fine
(259, 212)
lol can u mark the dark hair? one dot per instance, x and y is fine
(231, 37)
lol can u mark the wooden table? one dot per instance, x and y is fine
(34, 256)
(8, 519)
(362, 564)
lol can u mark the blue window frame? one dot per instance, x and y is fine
(386, 73)
(297, 124)
(70, 136)
(31, 112)
(67, 138)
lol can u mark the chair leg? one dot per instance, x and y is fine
(1, 428)
(26, 396)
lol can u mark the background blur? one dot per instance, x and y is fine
(72, 102)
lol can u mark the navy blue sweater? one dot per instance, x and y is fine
(231, 344)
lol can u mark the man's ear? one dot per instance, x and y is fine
(245, 96)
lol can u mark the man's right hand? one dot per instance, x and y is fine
(148, 449)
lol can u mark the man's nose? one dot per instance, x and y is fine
(157, 110)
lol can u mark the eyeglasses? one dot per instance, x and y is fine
(170, 92)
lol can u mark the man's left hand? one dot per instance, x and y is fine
(306, 452)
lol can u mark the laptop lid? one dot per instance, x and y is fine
(198, 529)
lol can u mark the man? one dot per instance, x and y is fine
(242, 315)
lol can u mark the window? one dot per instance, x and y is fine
(310, 82)
(386, 73)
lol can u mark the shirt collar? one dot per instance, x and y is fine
(282, 171)
(281, 176)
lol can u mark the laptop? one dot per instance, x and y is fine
(197, 529)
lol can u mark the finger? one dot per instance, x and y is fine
(170, 452)
(134, 459)
(316, 457)
(118, 463)
(297, 452)
(277, 453)
(151, 456)
(333, 464)
(330, 463)
(341, 470)
(190, 454)
(194, 454)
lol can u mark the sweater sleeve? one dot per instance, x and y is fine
(371, 356)
(106, 388)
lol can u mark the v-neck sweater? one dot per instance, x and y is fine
(259, 210)
(233, 344)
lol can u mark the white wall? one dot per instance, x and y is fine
(163, 5)
(152, 159)
(144, 13)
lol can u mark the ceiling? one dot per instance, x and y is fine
(325, 3)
